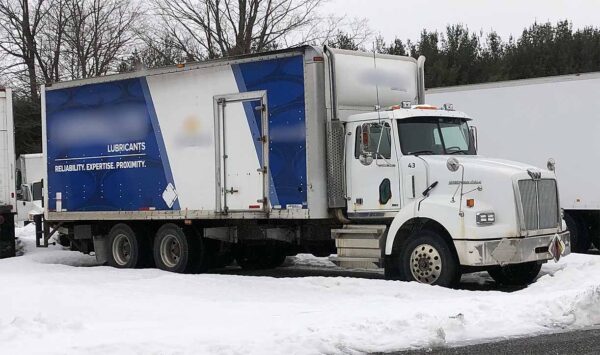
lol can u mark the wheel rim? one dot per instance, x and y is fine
(170, 250)
(425, 264)
(121, 249)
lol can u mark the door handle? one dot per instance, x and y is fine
(231, 191)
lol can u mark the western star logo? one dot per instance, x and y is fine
(465, 182)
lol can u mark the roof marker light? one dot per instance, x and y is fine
(425, 107)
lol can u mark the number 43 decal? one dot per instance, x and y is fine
(411, 165)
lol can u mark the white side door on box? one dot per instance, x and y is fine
(243, 154)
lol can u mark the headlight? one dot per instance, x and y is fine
(486, 218)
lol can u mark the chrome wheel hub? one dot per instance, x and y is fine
(121, 249)
(425, 264)
(170, 251)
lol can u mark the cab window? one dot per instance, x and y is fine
(373, 138)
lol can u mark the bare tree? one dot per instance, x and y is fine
(216, 28)
(51, 40)
(97, 34)
(20, 23)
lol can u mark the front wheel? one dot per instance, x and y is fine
(516, 274)
(427, 258)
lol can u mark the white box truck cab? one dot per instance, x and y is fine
(301, 150)
(29, 176)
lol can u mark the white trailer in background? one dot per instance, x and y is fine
(533, 120)
(7, 175)
(29, 174)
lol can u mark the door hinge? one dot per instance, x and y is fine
(262, 170)
(221, 101)
(262, 139)
(261, 108)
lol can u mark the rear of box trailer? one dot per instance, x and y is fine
(7, 175)
(533, 120)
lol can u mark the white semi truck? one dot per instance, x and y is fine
(533, 120)
(7, 175)
(305, 149)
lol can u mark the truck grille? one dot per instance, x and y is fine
(539, 201)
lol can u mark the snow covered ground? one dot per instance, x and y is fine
(54, 301)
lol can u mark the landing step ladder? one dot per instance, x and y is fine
(359, 246)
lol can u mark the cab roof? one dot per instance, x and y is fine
(403, 113)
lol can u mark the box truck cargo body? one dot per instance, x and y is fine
(258, 157)
(534, 120)
(7, 175)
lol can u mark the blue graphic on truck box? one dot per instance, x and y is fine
(283, 79)
(105, 150)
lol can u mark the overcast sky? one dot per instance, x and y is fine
(405, 19)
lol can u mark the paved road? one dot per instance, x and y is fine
(581, 342)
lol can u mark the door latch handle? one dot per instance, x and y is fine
(231, 191)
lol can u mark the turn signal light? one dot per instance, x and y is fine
(470, 203)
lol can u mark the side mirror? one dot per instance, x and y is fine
(473, 133)
(366, 156)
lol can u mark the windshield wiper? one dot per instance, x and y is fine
(458, 151)
(418, 152)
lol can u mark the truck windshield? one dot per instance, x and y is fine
(435, 136)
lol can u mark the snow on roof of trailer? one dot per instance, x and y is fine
(406, 113)
(512, 83)
(182, 67)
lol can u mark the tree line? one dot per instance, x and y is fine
(47, 41)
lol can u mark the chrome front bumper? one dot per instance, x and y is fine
(509, 250)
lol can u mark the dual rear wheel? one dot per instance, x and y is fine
(177, 250)
(171, 249)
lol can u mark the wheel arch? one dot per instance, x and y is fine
(412, 225)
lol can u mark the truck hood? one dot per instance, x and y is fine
(476, 163)
(490, 182)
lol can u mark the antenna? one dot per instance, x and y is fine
(378, 107)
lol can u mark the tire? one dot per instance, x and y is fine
(516, 274)
(427, 258)
(580, 237)
(174, 251)
(124, 250)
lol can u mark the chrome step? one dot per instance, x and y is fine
(359, 246)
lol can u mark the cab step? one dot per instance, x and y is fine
(359, 246)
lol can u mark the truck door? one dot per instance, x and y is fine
(242, 153)
(373, 177)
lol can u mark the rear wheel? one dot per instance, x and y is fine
(174, 251)
(124, 247)
(580, 237)
(427, 258)
(516, 274)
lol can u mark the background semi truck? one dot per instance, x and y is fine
(306, 149)
(29, 177)
(7, 175)
(535, 119)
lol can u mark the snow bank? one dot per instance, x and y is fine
(56, 301)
